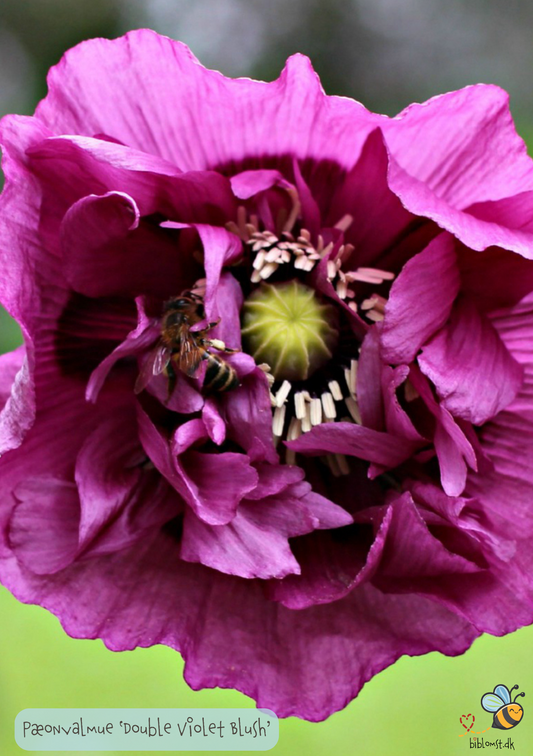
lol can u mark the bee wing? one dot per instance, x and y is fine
(154, 364)
(503, 692)
(491, 702)
(190, 354)
(160, 360)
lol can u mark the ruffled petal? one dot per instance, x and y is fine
(332, 565)
(213, 421)
(466, 517)
(430, 558)
(476, 233)
(19, 218)
(43, 530)
(369, 367)
(273, 479)
(397, 421)
(463, 145)
(121, 498)
(497, 278)
(474, 374)
(109, 251)
(248, 415)
(249, 183)
(496, 597)
(17, 399)
(226, 305)
(507, 439)
(212, 484)
(454, 152)
(143, 336)
(420, 301)
(254, 544)
(355, 440)
(219, 482)
(453, 448)
(72, 167)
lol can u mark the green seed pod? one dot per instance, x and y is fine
(288, 327)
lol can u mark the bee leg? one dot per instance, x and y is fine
(209, 327)
(172, 377)
(219, 345)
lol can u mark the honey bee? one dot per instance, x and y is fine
(182, 349)
(507, 713)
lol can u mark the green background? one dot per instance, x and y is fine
(386, 53)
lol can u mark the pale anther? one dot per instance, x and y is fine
(328, 405)
(344, 223)
(342, 462)
(353, 409)
(278, 421)
(316, 411)
(342, 288)
(335, 390)
(295, 429)
(368, 304)
(333, 464)
(283, 392)
(268, 270)
(306, 420)
(353, 376)
(259, 260)
(410, 392)
(290, 457)
(299, 405)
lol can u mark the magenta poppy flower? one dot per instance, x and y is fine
(275, 404)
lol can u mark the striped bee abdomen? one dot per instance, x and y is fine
(508, 716)
(219, 376)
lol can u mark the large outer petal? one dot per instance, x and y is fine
(452, 152)
(19, 217)
(224, 626)
(56, 327)
(458, 160)
(463, 145)
(152, 94)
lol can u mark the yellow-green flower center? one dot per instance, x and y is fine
(288, 327)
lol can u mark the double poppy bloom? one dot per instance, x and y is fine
(340, 473)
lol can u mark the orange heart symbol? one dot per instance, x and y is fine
(467, 717)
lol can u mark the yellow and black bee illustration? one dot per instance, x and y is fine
(507, 713)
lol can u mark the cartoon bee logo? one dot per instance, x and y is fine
(507, 713)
